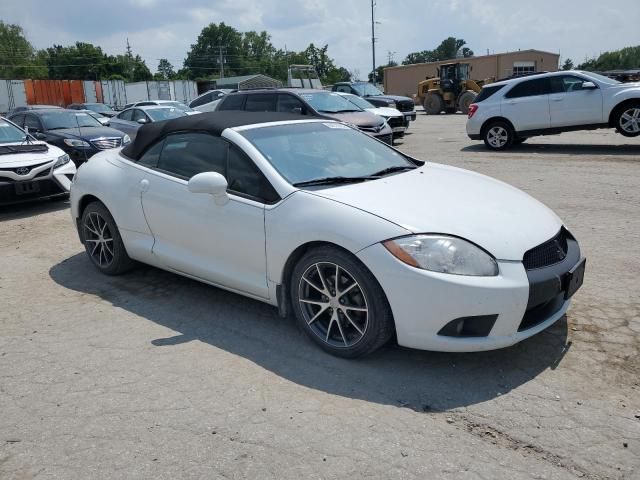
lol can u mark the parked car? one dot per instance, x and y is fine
(31, 169)
(25, 108)
(163, 103)
(507, 113)
(208, 101)
(98, 116)
(101, 108)
(77, 133)
(308, 102)
(378, 98)
(394, 117)
(327, 224)
(130, 120)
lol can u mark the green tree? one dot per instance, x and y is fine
(203, 58)
(140, 70)
(82, 61)
(165, 70)
(18, 58)
(568, 64)
(448, 49)
(626, 58)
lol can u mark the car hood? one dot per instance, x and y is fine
(385, 111)
(12, 160)
(86, 133)
(440, 199)
(359, 119)
(395, 98)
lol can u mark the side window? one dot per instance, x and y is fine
(126, 115)
(18, 120)
(231, 102)
(290, 104)
(33, 123)
(246, 180)
(152, 155)
(343, 88)
(261, 102)
(529, 88)
(206, 98)
(138, 114)
(187, 154)
(566, 83)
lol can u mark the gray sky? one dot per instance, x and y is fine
(167, 28)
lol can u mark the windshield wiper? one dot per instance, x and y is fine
(331, 181)
(390, 170)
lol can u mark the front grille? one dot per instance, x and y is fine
(371, 129)
(548, 253)
(540, 313)
(106, 143)
(395, 122)
(23, 171)
(405, 106)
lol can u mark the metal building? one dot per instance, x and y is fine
(247, 81)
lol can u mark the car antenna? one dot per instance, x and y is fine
(80, 135)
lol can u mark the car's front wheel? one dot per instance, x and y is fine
(498, 135)
(339, 304)
(102, 240)
(628, 120)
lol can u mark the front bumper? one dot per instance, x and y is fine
(46, 184)
(409, 117)
(424, 302)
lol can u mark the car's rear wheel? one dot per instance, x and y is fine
(102, 240)
(628, 120)
(498, 135)
(339, 304)
(433, 104)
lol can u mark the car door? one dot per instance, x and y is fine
(221, 244)
(290, 104)
(122, 121)
(570, 104)
(526, 105)
(137, 116)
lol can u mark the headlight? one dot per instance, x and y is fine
(72, 142)
(62, 160)
(443, 254)
(126, 139)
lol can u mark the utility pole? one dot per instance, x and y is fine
(390, 56)
(373, 41)
(221, 60)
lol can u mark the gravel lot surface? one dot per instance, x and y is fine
(151, 375)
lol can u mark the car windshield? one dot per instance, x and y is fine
(9, 133)
(366, 89)
(97, 107)
(327, 102)
(159, 114)
(601, 78)
(304, 152)
(56, 120)
(359, 101)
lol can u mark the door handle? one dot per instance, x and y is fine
(144, 185)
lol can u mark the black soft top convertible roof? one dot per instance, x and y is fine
(212, 122)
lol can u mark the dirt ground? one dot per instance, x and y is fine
(151, 375)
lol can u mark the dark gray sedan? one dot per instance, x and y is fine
(131, 119)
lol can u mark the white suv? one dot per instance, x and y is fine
(508, 112)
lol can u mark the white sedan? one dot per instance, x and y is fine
(358, 241)
(31, 169)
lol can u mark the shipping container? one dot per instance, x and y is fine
(12, 95)
(90, 94)
(113, 93)
(184, 91)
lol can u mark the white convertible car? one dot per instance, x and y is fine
(358, 241)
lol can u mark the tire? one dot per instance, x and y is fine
(498, 135)
(433, 104)
(465, 100)
(349, 321)
(102, 240)
(627, 120)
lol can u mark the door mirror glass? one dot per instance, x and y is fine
(589, 86)
(212, 183)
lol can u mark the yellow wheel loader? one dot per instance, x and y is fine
(451, 90)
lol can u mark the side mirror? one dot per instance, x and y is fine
(297, 110)
(212, 183)
(589, 86)
(142, 121)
